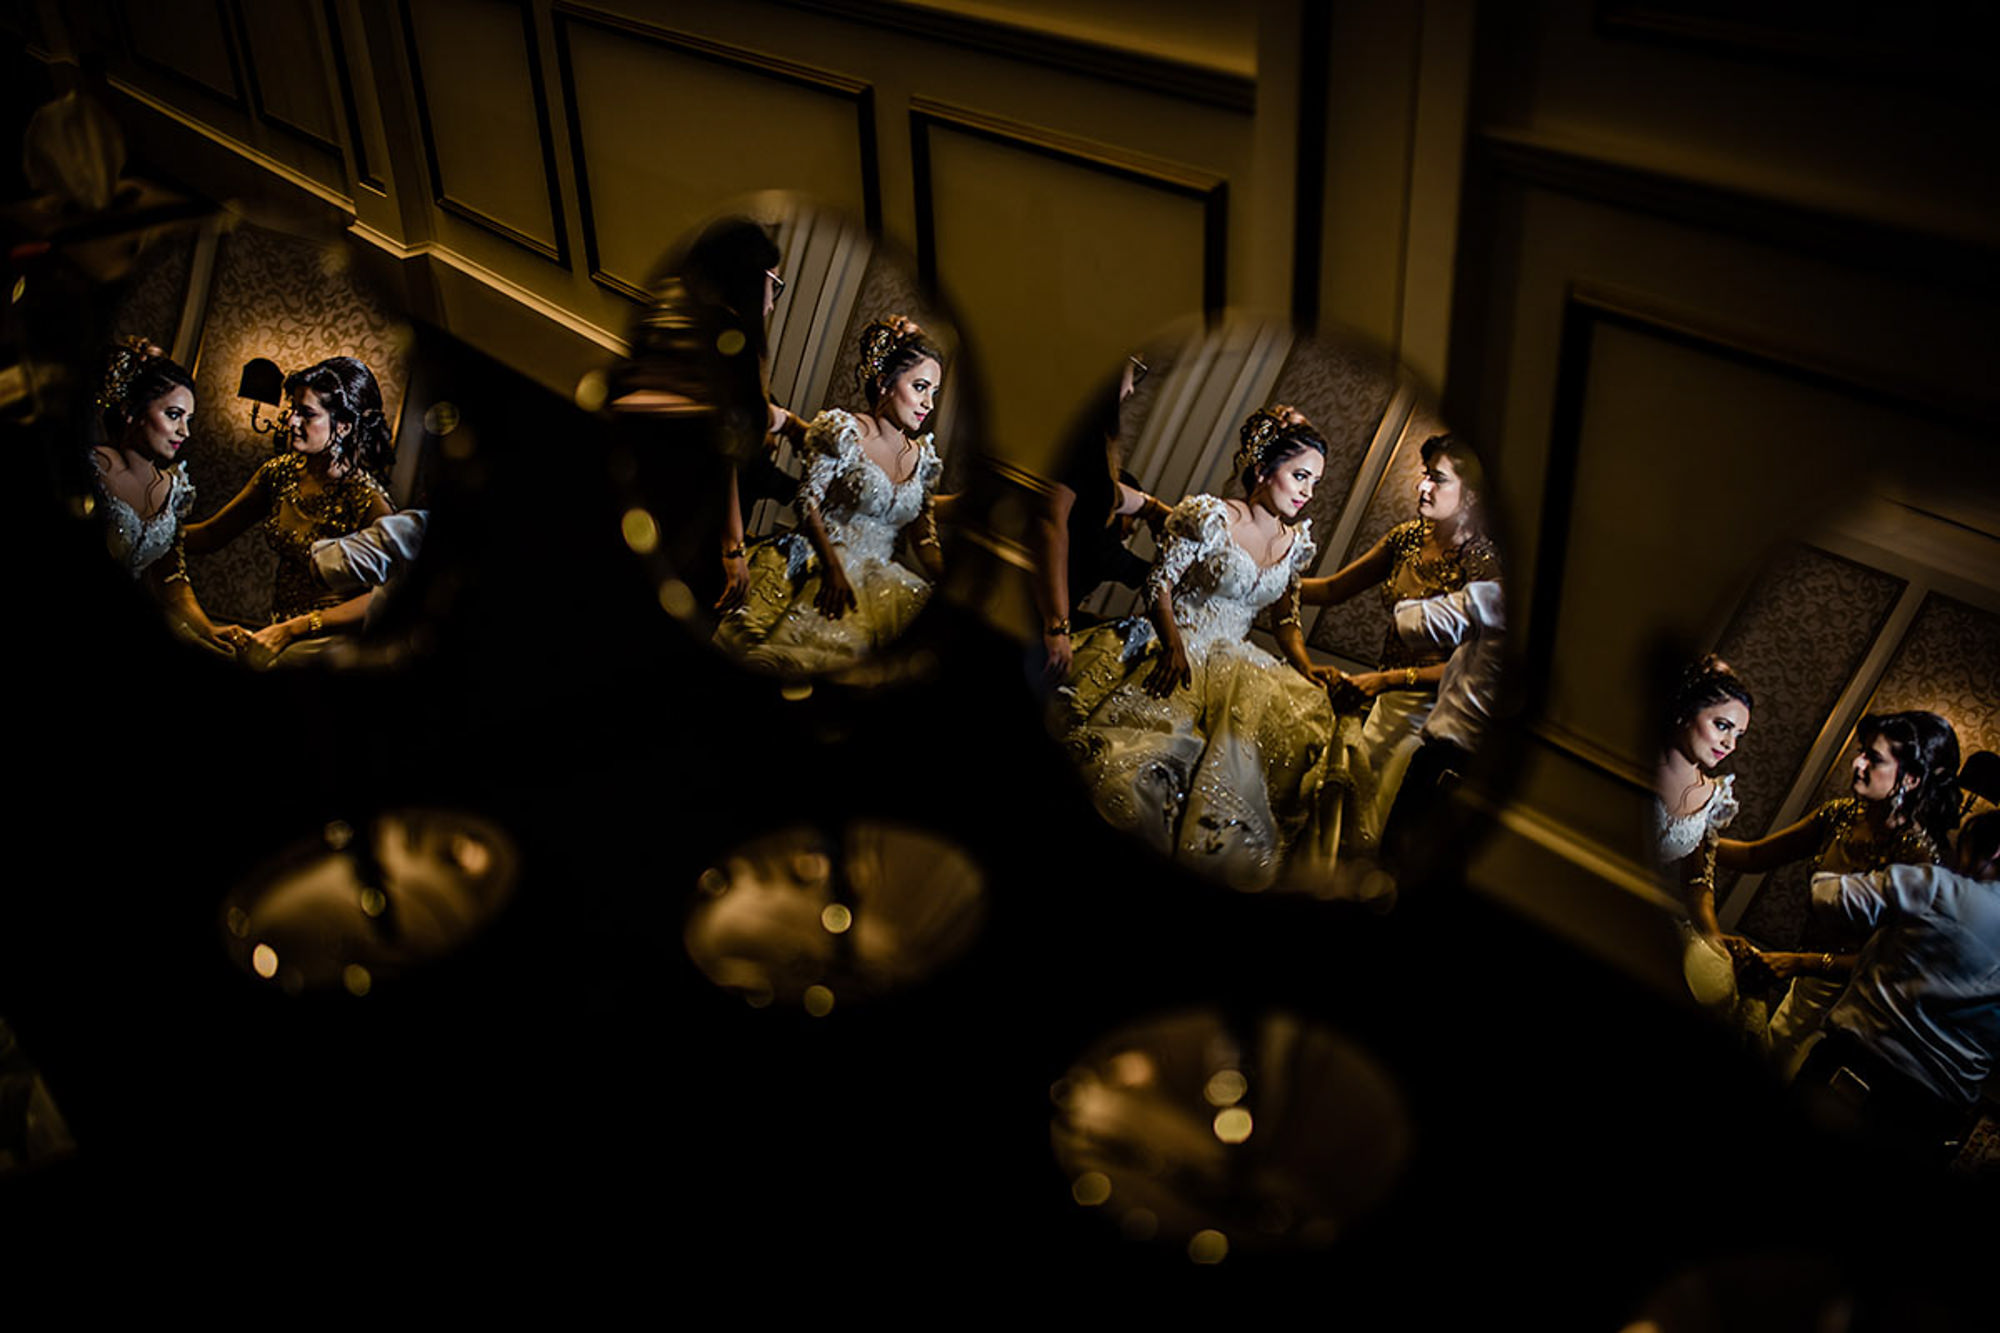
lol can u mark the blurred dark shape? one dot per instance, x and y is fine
(348, 908)
(1788, 1289)
(262, 382)
(1271, 1132)
(32, 1132)
(699, 347)
(872, 909)
(1979, 779)
(74, 151)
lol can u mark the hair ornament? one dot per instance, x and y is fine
(127, 360)
(1262, 429)
(880, 340)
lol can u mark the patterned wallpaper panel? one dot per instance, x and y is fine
(294, 301)
(1344, 391)
(1949, 663)
(152, 304)
(1796, 641)
(1358, 628)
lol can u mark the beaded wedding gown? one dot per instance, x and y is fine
(1238, 773)
(864, 512)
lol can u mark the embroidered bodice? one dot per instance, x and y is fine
(1675, 839)
(1849, 845)
(137, 542)
(293, 521)
(862, 509)
(1218, 589)
(1414, 575)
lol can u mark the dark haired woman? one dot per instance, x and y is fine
(1706, 718)
(1192, 737)
(1903, 808)
(830, 593)
(324, 486)
(1443, 548)
(146, 407)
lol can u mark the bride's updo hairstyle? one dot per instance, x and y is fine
(135, 377)
(889, 347)
(1269, 439)
(351, 397)
(1704, 684)
(1925, 747)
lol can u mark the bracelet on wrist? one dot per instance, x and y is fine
(733, 552)
(1059, 630)
(315, 622)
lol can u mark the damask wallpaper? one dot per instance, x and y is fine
(292, 300)
(151, 307)
(1344, 391)
(1948, 663)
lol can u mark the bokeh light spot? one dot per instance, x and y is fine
(818, 1001)
(676, 599)
(1226, 1088)
(1208, 1247)
(836, 918)
(1232, 1124)
(355, 977)
(641, 533)
(264, 961)
(1091, 1188)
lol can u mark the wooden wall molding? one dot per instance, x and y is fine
(1211, 191)
(231, 97)
(860, 93)
(558, 253)
(1155, 74)
(263, 113)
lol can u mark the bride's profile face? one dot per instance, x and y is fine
(1711, 736)
(1290, 485)
(312, 427)
(160, 430)
(908, 402)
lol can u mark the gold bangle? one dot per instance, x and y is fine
(315, 622)
(732, 552)
(1409, 675)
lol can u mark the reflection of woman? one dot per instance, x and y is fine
(147, 405)
(1192, 737)
(832, 592)
(1904, 806)
(322, 488)
(1440, 551)
(1080, 539)
(1708, 715)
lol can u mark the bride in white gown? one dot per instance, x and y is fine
(1708, 715)
(1190, 736)
(832, 592)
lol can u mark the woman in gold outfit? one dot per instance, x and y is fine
(1440, 551)
(325, 486)
(1904, 806)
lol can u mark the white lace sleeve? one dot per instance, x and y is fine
(832, 441)
(1722, 806)
(1299, 562)
(1197, 526)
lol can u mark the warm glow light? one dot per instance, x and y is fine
(1208, 1247)
(238, 922)
(676, 599)
(757, 999)
(339, 833)
(441, 418)
(473, 856)
(836, 918)
(713, 882)
(592, 390)
(811, 867)
(818, 1001)
(355, 977)
(1232, 1124)
(796, 691)
(1091, 1188)
(1226, 1088)
(731, 341)
(264, 960)
(642, 534)
(1131, 1069)
(20, 288)
(374, 902)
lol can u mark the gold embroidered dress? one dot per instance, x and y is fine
(293, 521)
(1392, 733)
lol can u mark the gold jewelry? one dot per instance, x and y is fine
(1261, 429)
(733, 552)
(880, 340)
(1059, 630)
(1826, 962)
(1409, 676)
(126, 362)
(315, 622)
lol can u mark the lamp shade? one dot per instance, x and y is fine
(263, 382)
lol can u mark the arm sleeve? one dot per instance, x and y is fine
(830, 443)
(1192, 529)
(353, 564)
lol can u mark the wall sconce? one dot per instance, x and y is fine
(262, 383)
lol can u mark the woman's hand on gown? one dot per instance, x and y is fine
(1169, 673)
(836, 594)
(735, 583)
(1060, 655)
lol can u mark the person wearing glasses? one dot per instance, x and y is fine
(1090, 508)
